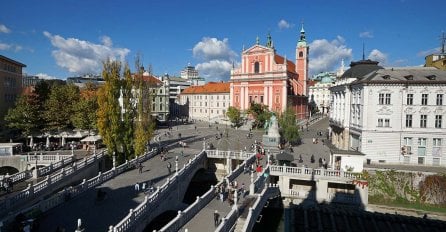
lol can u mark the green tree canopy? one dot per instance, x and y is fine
(60, 107)
(288, 126)
(260, 113)
(109, 111)
(234, 115)
(25, 115)
(85, 110)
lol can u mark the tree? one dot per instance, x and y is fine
(234, 115)
(260, 113)
(60, 107)
(128, 113)
(109, 111)
(85, 110)
(25, 115)
(288, 125)
(144, 123)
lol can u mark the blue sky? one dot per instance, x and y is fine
(62, 38)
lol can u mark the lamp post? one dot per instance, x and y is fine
(72, 147)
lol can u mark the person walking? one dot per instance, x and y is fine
(169, 166)
(140, 167)
(137, 186)
(216, 218)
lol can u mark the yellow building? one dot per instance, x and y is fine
(436, 60)
(10, 83)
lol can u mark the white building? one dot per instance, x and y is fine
(208, 102)
(392, 116)
(190, 74)
(319, 93)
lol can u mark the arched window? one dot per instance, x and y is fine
(256, 67)
(301, 54)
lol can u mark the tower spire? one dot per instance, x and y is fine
(257, 40)
(302, 32)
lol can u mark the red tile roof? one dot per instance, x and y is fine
(150, 79)
(291, 66)
(209, 88)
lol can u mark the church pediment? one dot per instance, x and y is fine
(257, 49)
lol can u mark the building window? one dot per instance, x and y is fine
(236, 98)
(256, 67)
(436, 147)
(408, 120)
(384, 99)
(380, 122)
(381, 99)
(161, 106)
(439, 99)
(408, 145)
(217, 104)
(153, 107)
(386, 122)
(224, 104)
(250, 99)
(438, 119)
(301, 54)
(277, 99)
(423, 120)
(422, 146)
(424, 99)
(261, 99)
(409, 99)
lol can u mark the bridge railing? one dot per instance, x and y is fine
(73, 191)
(229, 154)
(56, 162)
(143, 209)
(185, 216)
(40, 188)
(228, 222)
(310, 172)
(254, 211)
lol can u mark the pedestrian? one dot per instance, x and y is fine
(137, 186)
(222, 196)
(169, 166)
(140, 167)
(182, 153)
(216, 218)
(242, 189)
(320, 162)
(312, 158)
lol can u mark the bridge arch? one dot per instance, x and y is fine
(8, 170)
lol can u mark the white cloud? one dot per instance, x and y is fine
(212, 48)
(429, 52)
(4, 29)
(82, 57)
(45, 76)
(366, 34)
(4, 46)
(216, 58)
(215, 70)
(12, 47)
(326, 55)
(283, 24)
(377, 55)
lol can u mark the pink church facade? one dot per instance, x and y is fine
(267, 78)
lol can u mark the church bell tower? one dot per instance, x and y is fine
(302, 51)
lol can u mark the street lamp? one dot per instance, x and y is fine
(35, 167)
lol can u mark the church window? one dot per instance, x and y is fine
(261, 99)
(301, 54)
(256, 67)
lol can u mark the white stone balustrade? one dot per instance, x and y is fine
(228, 154)
(41, 187)
(310, 173)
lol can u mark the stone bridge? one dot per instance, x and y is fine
(29, 161)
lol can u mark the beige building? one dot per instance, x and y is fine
(10, 83)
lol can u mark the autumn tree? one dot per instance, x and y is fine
(144, 123)
(109, 111)
(128, 113)
(25, 115)
(85, 116)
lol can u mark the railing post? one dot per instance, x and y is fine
(251, 186)
(79, 227)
